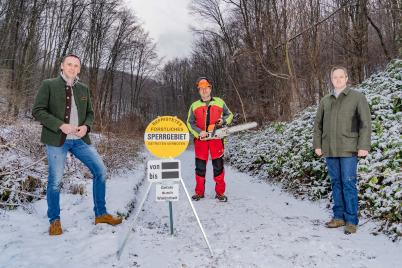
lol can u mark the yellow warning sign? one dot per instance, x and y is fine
(166, 136)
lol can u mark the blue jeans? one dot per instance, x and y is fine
(343, 173)
(88, 155)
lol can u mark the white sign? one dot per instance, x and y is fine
(164, 170)
(167, 191)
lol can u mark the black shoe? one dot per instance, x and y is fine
(197, 197)
(221, 198)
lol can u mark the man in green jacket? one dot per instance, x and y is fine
(63, 107)
(342, 132)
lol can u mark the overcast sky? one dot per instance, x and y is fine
(168, 23)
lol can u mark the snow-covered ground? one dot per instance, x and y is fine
(260, 226)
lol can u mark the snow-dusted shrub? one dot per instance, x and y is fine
(283, 152)
(20, 147)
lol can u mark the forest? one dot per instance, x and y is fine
(268, 59)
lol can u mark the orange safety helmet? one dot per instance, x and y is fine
(202, 82)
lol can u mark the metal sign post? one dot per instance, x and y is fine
(165, 137)
(171, 217)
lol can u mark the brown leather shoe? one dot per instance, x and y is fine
(109, 219)
(55, 228)
(350, 228)
(335, 223)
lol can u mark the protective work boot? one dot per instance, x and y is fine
(55, 228)
(109, 219)
(197, 197)
(350, 228)
(221, 197)
(335, 223)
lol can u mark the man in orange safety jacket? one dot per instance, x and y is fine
(204, 115)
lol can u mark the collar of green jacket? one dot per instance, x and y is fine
(345, 91)
(75, 81)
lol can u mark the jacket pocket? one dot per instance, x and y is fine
(349, 141)
(352, 135)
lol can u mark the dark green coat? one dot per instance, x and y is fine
(342, 125)
(50, 108)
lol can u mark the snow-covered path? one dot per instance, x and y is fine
(259, 226)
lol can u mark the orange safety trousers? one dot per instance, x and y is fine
(202, 149)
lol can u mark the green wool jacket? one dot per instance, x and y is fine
(51, 111)
(342, 125)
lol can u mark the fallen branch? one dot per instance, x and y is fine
(18, 170)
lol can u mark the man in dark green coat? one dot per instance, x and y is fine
(63, 107)
(342, 132)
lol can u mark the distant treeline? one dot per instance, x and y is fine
(276, 55)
